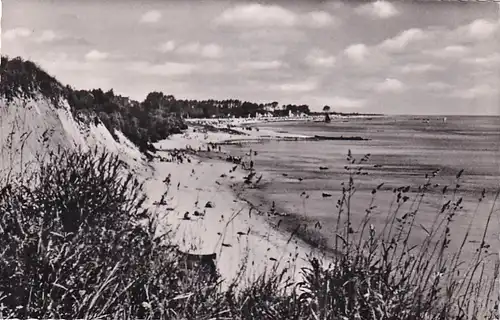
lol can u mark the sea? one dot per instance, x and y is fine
(399, 151)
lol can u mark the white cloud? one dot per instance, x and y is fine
(319, 19)
(212, 51)
(319, 58)
(477, 91)
(390, 85)
(96, 55)
(304, 86)
(420, 68)
(165, 69)
(480, 29)
(47, 36)
(489, 60)
(257, 15)
(438, 86)
(343, 102)
(13, 34)
(152, 16)
(402, 40)
(357, 52)
(262, 65)
(378, 9)
(189, 48)
(454, 51)
(167, 46)
(62, 61)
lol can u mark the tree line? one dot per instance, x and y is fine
(144, 123)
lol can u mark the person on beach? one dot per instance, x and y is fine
(167, 179)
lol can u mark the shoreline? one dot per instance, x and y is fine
(205, 208)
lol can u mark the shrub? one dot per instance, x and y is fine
(77, 243)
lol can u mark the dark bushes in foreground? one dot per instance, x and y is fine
(76, 243)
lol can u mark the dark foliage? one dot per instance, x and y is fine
(142, 123)
(24, 79)
(78, 243)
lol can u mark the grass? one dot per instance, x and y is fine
(76, 242)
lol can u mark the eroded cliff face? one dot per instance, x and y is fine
(39, 115)
(36, 119)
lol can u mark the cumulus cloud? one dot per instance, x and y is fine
(303, 86)
(378, 9)
(438, 86)
(479, 29)
(357, 52)
(62, 61)
(420, 68)
(257, 15)
(488, 60)
(167, 46)
(453, 51)
(165, 69)
(480, 90)
(343, 102)
(319, 58)
(402, 40)
(261, 65)
(16, 33)
(390, 85)
(211, 50)
(189, 48)
(47, 36)
(318, 19)
(96, 55)
(152, 16)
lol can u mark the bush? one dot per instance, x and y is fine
(77, 243)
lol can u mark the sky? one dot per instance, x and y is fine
(384, 57)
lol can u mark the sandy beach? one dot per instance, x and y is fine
(201, 204)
